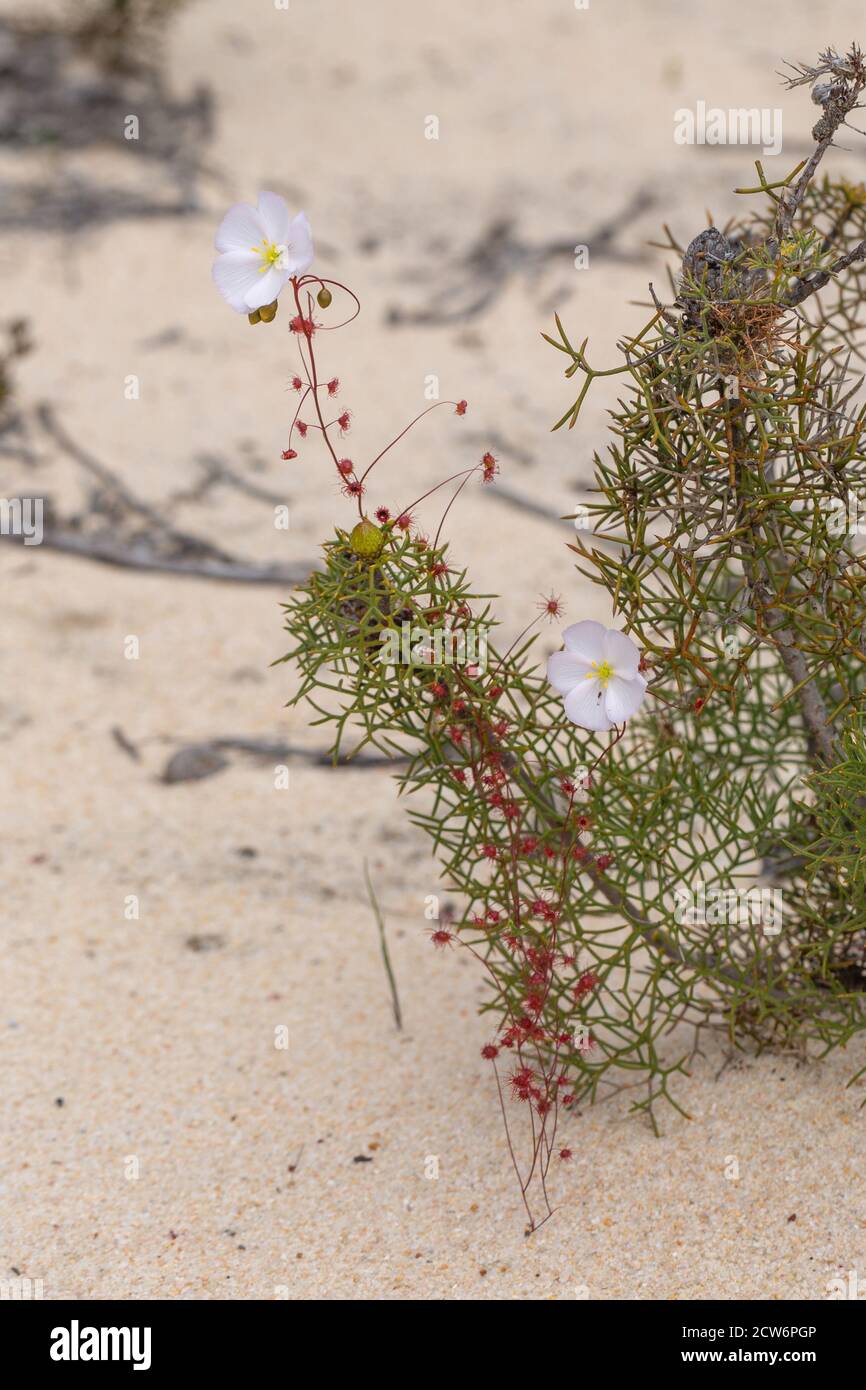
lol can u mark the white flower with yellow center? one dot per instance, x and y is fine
(598, 676)
(261, 248)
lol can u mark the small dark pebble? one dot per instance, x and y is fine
(206, 941)
(247, 852)
(193, 763)
(363, 1158)
(793, 1216)
(59, 1102)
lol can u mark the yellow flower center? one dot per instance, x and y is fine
(271, 254)
(602, 672)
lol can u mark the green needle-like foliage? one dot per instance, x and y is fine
(705, 867)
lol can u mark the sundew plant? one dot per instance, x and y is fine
(661, 831)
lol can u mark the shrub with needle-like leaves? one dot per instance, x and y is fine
(701, 866)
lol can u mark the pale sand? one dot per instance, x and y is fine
(167, 1055)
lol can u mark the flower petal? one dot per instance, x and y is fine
(585, 706)
(621, 652)
(274, 213)
(240, 230)
(586, 640)
(235, 274)
(300, 243)
(565, 670)
(623, 698)
(266, 287)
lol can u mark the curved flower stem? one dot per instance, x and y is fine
(464, 473)
(398, 437)
(457, 493)
(312, 375)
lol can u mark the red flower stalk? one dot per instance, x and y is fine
(524, 874)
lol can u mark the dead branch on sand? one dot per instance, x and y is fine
(110, 532)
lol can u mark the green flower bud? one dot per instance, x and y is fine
(324, 297)
(367, 540)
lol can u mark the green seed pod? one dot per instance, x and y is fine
(324, 297)
(367, 540)
(255, 316)
(268, 312)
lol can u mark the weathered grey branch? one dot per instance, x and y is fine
(810, 284)
(812, 706)
(227, 571)
(171, 552)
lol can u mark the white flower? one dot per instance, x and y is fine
(598, 675)
(261, 249)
